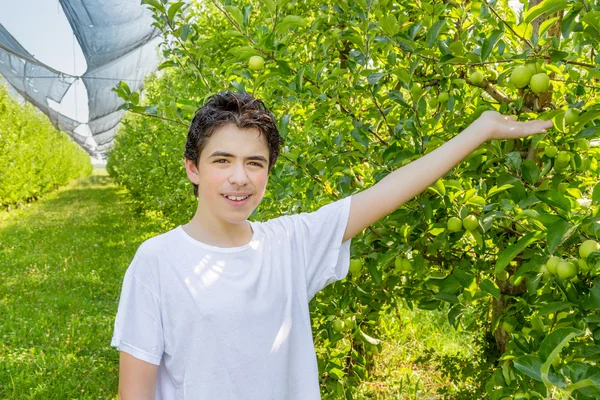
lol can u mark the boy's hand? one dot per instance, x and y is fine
(502, 127)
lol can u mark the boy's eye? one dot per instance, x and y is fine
(253, 162)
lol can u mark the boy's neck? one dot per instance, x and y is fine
(215, 232)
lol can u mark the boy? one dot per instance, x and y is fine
(218, 308)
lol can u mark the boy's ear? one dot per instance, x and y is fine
(192, 171)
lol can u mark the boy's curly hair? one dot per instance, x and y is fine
(225, 108)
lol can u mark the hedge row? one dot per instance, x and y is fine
(35, 158)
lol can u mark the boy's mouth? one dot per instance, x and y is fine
(237, 200)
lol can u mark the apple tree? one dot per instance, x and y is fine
(364, 87)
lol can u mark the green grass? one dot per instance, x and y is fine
(62, 261)
(417, 346)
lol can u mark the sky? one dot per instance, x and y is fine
(47, 35)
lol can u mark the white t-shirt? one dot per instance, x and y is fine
(233, 323)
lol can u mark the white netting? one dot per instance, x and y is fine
(119, 44)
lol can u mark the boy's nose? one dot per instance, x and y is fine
(238, 175)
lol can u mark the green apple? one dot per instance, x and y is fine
(355, 266)
(470, 222)
(416, 90)
(563, 186)
(551, 151)
(582, 144)
(544, 270)
(571, 116)
(588, 247)
(433, 102)
(403, 264)
(502, 275)
(476, 78)
(491, 75)
(552, 264)
(443, 97)
(398, 263)
(563, 157)
(456, 48)
(515, 281)
(407, 265)
(539, 82)
(349, 323)
(454, 224)
(256, 63)
(508, 326)
(566, 269)
(338, 325)
(583, 265)
(520, 76)
(533, 68)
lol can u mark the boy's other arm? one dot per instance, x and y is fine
(403, 184)
(137, 378)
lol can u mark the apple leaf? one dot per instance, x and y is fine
(490, 287)
(156, 4)
(592, 300)
(553, 307)
(530, 365)
(495, 190)
(592, 392)
(490, 43)
(374, 78)
(558, 232)
(174, 8)
(368, 338)
(398, 98)
(567, 22)
(590, 132)
(434, 31)
(551, 347)
(337, 372)
(390, 25)
(531, 172)
(236, 14)
(289, 21)
(586, 117)
(546, 6)
(514, 160)
(596, 194)
(554, 198)
(556, 55)
(455, 314)
(513, 250)
(284, 122)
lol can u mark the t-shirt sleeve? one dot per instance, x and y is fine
(138, 324)
(319, 235)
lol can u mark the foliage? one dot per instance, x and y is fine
(362, 88)
(35, 158)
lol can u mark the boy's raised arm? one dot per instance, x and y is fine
(403, 184)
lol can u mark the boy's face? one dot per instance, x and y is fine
(234, 162)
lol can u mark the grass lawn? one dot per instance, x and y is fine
(62, 261)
